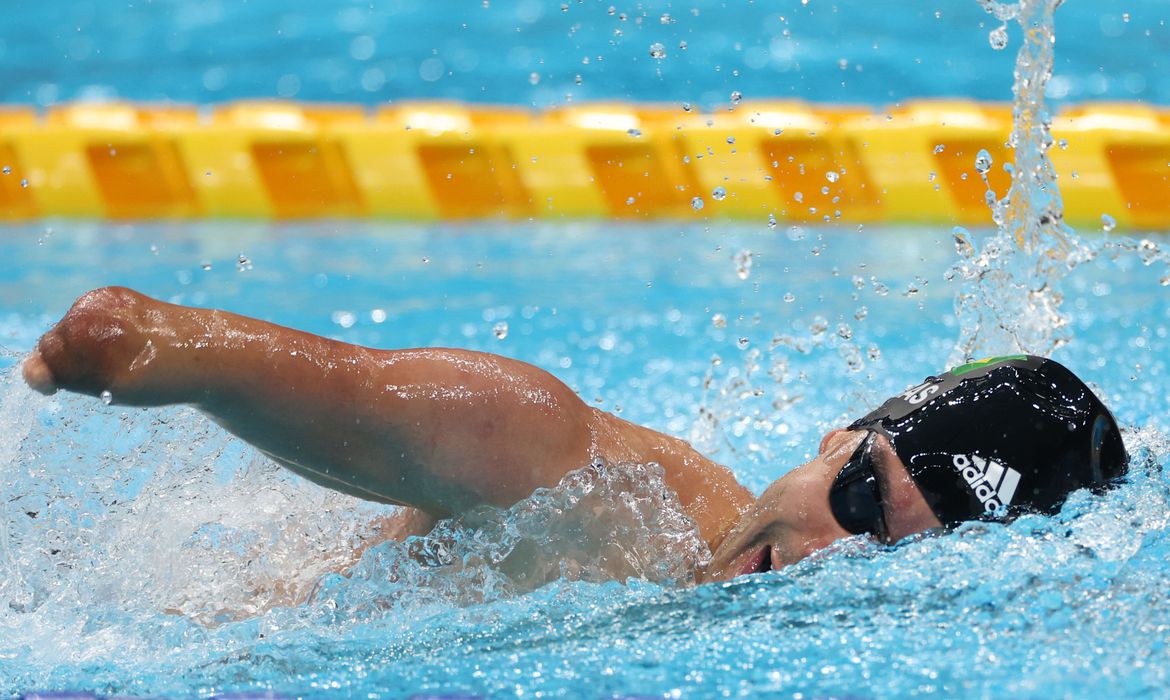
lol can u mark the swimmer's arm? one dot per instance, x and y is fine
(442, 430)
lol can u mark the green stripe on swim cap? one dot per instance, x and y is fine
(980, 364)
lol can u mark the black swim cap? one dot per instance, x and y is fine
(999, 437)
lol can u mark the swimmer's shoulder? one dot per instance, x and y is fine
(708, 491)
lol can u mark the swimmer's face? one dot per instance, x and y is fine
(793, 519)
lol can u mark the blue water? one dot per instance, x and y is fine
(147, 553)
(144, 551)
(533, 51)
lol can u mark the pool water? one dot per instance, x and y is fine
(146, 553)
(535, 52)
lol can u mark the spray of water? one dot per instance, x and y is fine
(1011, 297)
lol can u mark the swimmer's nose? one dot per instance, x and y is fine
(828, 438)
(37, 374)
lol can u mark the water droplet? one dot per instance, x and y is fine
(657, 50)
(1165, 281)
(998, 38)
(874, 353)
(696, 203)
(629, 201)
(107, 397)
(795, 233)
(832, 176)
(206, 265)
(736, 97)
(682, 45)
(730, 139)
(1108, 223)
(7, 170)
(533, 78)
(983, 162)
(500, 330)
(742, 343)
(771, 221)
(798, 197)
(686, 106)
(962, 242)
(666, 19)
(844, 332)
(719, 194)
(861, 313)
(789, 297)
(1063, 143)
(743, 264)
(719, 321)
(612, 10)
(243, 264)
(634, 132)
(939, 148)
(24, 183)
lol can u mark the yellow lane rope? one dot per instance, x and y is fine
(791, 161)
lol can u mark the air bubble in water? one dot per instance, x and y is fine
(861, 313)
(844, 332)
(24, 183)
(742, 343)
(6, 170)
(533, 78)
(789, 297)
(243, 264)
(736, 97)
(798, 197)
(719, 194)
(832, 176)
(657, 50)
(998, 38)
(206, 265)
(730, 139)
(686, 106)
(983, 162)
(634, 132)
(1108, 223)
(938, 149)
(696, 203)
(719, 321)
(106, 397)
(771, 221)
(500, 330)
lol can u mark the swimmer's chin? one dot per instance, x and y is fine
(37, 374)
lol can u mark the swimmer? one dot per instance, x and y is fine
(441, 431)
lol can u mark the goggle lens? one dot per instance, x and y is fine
(855, 497)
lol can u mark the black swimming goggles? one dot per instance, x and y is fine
(855, 497)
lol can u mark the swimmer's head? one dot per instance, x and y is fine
(987, 441)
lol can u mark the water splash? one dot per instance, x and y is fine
(1011, 297)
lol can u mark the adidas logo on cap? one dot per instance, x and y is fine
(991, 482)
